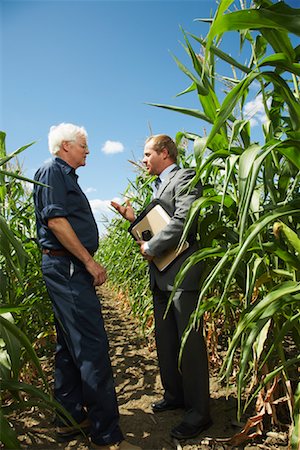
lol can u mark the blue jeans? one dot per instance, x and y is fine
(84, 382)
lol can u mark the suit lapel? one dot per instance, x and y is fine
(167, 181)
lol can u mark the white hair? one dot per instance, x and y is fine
(63, 132)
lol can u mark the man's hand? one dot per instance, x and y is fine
(126, 211)
(97, 271)
(143, 252)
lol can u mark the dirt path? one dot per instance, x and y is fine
(138, 385)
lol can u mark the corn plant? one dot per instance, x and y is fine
(24, 309)
(250, 187)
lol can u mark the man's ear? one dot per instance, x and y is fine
(165, 153)
(65, 146)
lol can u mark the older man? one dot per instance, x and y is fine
(68, 235)
(187, 388)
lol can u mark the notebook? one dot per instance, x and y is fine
(150, 222)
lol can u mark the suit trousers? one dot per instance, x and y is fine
(188, 386)
(84, 382)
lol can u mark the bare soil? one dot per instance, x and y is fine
(138, 385)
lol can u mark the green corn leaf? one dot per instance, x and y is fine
(280, 17)
(12, 345)
(188, 111)
(24, 341)
(290, 235)
(198, 66)
(190, 262)
(252, 233)
(259, 49)
(230, 164)
(5, 159)
(209, 101)
(280, 42)
(290, 149)
(282, 62)
(5, 309)
(199, 84)
(199, 148)
(252, 271)
(251, 181)
(20, 177)
(8, 435)
(216, 270)
(229, 103)
(43, 398)
(201, 203)
(191, 88)
(268, 178)
(295, 438)
(284, 330)
(7, 242)
(246, 162)
(220, 234)
(216, 51)
(242, 128)
(209, 160)
(262, 310)
(288, 258)
(2, 144)
(287, 95)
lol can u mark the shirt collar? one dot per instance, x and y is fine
(166, 172)
(65, 166)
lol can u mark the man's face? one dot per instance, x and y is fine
(154, 162)
(77, 152)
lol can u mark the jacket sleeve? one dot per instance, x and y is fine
(182, 200)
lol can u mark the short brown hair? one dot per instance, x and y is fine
(161, 141)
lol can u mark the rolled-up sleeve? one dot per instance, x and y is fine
(53, 199)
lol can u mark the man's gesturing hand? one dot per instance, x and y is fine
(126, 211)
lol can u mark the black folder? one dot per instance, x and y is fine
(150, 222)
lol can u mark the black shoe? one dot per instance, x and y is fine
(164, 405)
(186, 431)
(67, 433)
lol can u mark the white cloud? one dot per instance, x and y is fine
(103, 212)
(112, 147)
(255, 112)
(90, 189)
(102, 206)
(99, 206)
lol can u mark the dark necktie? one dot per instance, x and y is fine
(157, 183)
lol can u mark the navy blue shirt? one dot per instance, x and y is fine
(64, 198)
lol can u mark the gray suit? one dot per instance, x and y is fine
(190, 387)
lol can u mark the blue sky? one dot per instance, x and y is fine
(96, 63)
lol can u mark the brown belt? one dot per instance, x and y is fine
(60, 252)
(52, 252)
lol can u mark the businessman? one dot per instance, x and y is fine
(187, 388)
(68, 236)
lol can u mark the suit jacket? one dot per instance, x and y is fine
(177, 202)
